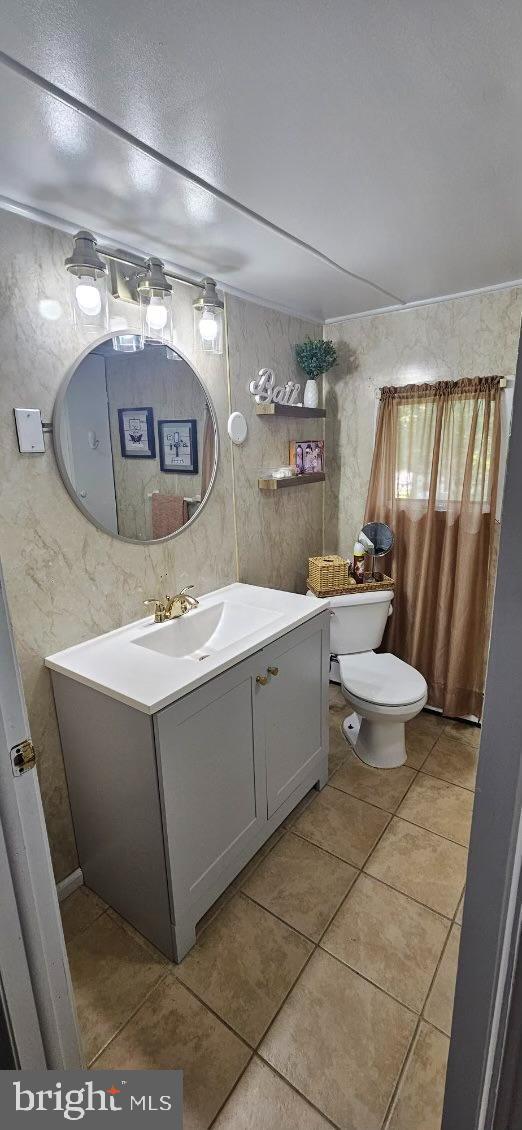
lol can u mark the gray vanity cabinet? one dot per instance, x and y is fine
(294, 712)
(212, 783)
(169, 808)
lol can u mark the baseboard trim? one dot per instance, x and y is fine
(69, 884)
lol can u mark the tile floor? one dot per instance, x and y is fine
(320, 991)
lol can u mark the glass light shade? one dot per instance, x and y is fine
(208, 328)
(127, 343)
(89, 301)
(156, 315)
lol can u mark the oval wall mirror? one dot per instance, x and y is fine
(136, 440)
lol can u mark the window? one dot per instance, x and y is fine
(463, 433)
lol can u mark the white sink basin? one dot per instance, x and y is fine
(149, 665)
(205, 631)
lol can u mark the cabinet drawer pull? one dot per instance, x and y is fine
(262, 680)
(273, 670)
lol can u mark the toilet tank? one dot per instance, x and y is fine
(358, 621)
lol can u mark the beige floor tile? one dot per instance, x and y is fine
(215, 909)
(302, 884)
(418, 863)
(263, 1101)
(465, 732)
(421, 734)
(243, 966)
(420, 1097)
(299, 808)
(336, 758)
(336, 735)
(453, 760)
(260, 855)
(339, 823)
(339, 748)
(341, 1042)
(173, 1029)
(388, 938)
(382, 787)
(111, 975)
(440, 807)
(79, 910)
(337, 699)
(439, 1006)
(135, 934)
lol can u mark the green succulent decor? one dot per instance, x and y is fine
(315, 357)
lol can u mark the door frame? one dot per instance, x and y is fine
(34, 970)
(476, 1076)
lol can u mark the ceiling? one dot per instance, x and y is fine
(329, 158)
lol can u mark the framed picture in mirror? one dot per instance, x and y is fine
(137, 433)
(178, 446)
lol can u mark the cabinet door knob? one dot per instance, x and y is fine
(262, 680)
(273, 670)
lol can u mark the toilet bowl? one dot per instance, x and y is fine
(383, 691)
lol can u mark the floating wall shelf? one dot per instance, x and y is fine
(294, 481)
(289, 410)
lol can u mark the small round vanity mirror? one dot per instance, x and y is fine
(381, 537)
(136, 440)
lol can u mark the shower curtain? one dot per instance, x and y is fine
(434, 481)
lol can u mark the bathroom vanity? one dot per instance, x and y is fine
(186, 744)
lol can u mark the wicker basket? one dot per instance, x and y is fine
(352, 587)
(330, 572)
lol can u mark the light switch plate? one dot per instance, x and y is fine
(29, 430)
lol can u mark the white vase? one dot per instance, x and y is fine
(311, 395)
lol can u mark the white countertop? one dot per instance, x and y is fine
(149, 679)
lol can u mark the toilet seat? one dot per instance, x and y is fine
(381, 680)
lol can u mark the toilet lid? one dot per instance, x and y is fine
(381, 679)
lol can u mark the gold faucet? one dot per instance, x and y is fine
(182, 603)
(173, 606)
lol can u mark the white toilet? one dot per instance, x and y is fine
(383, 691)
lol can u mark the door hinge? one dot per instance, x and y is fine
(23, 757)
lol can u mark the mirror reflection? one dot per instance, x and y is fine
(135, 440)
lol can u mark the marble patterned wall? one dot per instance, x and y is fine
(461, 337)
(277, 531)
(66, 581)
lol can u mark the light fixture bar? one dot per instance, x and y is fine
(148, 284)
(140, 262)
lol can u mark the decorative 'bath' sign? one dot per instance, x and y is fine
(265, 389)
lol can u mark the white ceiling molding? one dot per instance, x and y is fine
(405, 306)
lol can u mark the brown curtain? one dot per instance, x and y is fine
(434, 481)
(207, 456)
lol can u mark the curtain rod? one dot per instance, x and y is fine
(501, 384)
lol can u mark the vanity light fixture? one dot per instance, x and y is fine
(88, 283)
(208, 318)
(143, 280)
(155, 298)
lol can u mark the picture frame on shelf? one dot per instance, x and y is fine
(178, 446)
(307, 456)
(136, 426)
